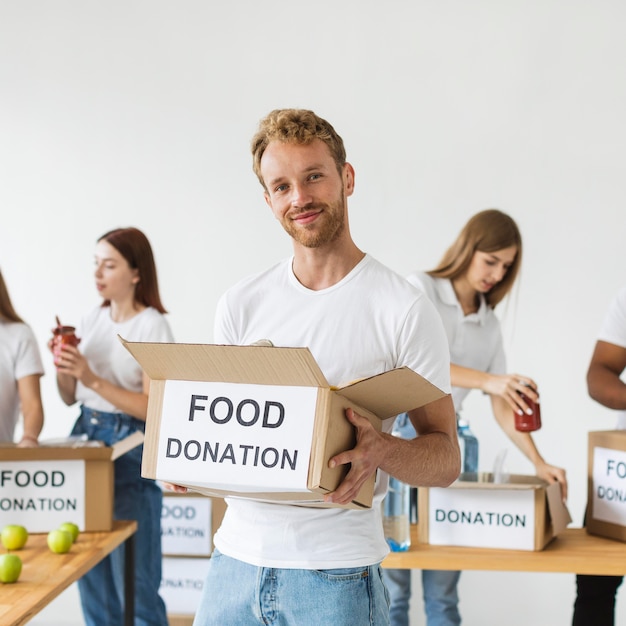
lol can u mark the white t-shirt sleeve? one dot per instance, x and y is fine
(28, 358)
(424, 345)
(223, 330)
(613, 329)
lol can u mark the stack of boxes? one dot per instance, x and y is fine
(188, 522)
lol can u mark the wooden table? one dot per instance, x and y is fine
(573, 551)
(45, 574)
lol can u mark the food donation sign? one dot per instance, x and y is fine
(40, 495)
(236, 436)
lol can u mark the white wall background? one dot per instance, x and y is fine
(137, 112)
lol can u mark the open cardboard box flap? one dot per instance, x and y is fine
(72, 450)
(377, 398)
(386, 395)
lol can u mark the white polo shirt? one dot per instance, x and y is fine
(613, 330)
(475, 340)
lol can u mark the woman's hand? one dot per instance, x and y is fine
(28, 442)
(509, 386)
(552, 474)
(70, 361)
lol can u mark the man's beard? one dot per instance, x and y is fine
(327, 227)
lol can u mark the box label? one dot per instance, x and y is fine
(609, 485)
(41, 495)
(186, 527)
(236, 436)
(482, 518)
(181, 584)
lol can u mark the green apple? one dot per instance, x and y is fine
(10, 568)
(59, 541)
(13, 537)
(71, 528)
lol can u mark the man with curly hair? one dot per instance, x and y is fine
(284, 563)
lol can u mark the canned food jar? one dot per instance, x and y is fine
(528, 422)
(63, 335)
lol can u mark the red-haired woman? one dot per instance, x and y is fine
(112, 390)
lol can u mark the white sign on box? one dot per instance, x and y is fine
(482, 518)
(40, 495)
(181, 584)
(240, 436)
(609, 485)
(186, 526)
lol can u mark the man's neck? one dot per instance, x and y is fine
(320, 268)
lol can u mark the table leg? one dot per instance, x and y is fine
(129, 581)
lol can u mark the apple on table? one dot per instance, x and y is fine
(13, 536)
(10, 568)
(59, 541)
(71, 528)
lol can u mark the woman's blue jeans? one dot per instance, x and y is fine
(439, 590)
(136, 498)
(239, 594)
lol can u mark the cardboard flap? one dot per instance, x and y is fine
(257, 365)
(484, 480)
(127, 444)
(391, 393)
(559, 513)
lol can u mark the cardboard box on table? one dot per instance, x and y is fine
(40, 488)
(259, 422)
(524, 513)
(606, 498)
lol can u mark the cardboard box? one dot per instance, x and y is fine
(259, 422)
(188, 523)
(40, 488)
(606, 499)
(182, 581)
(523, 514)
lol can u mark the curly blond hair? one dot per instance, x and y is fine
(298, 126)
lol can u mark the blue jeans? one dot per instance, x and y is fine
(238, 594)
(102, 588)
(439, 589)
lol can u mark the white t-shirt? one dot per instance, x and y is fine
(19, 357)
(613, 331)
(475, 340)
(108, 358)
(370, 322)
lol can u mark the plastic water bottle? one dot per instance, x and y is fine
(396, 510)
(397, 502)
(469, 447)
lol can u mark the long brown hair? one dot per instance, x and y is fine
(134, 246)
(7, 312)
(488, 231)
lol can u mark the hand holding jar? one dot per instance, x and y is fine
(528, 422)
(62, 335)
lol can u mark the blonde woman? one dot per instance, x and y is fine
(474, 275)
